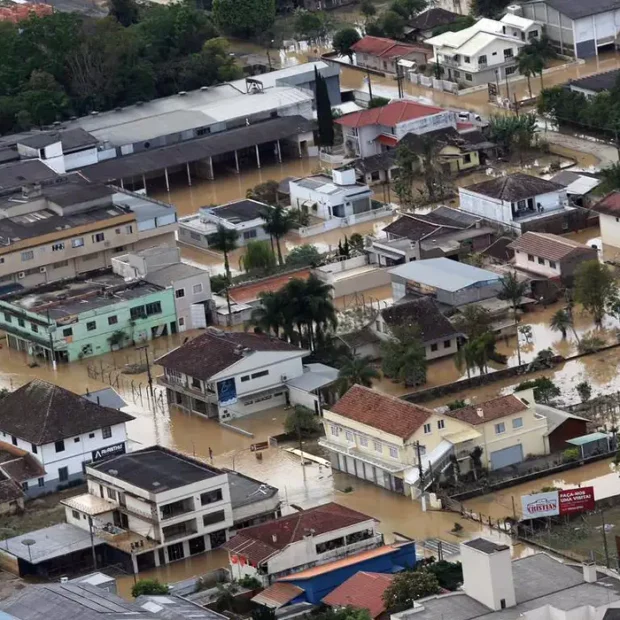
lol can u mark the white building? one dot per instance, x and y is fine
(517, 201)
(339, 196)
(370, 132)
(162, 266)
(608, 210)
(299, 541)
(485, 52)
(229, 375)
(62, 430)
(156, 504)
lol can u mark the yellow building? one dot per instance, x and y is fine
(389, 441)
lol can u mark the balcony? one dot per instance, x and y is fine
(176, 509)
(450, 61)
(347, 550)
(179, 530)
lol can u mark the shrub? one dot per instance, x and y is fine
(249, 582)
(570, 455)
(148, 586)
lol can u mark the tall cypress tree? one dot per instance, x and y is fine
(323, 111)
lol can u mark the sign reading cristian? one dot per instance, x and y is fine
(553, 503)
(102, 453)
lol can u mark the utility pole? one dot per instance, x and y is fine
(419, 453)
(50, 332)
(369, 84)
(301, 452)
(145, 347)
(92, 542)
(514, 509)
(604, 539)
(399, 79)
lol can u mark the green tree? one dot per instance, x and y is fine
(488, 8)
(610, 177)
(513, 290)
(244, 18)
(449, 574)
(540, 51)
(408, 9)
(302, 422)
(43, 99)
(544, 389)
(473, 321)
(225, 241)
(560, 322)
(311, 25)
(356, 370)
(124, 11)
(344, 40)
(410, 586)
(460, 23)
(320, 310)
(269, 315)
(278, 222)
(407, 162)
(513, 133)
(528, 66)
(584, 389)
(378, 102)
(595, 288)
(148, 586)
(266, 192)
(342, 613)
(392, 24)
(324, 115)
(258, 257)
(356, 241)
(476, 353)
(404, 356)
(303, 256)
(368, 9)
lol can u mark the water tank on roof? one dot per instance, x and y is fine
(514, 9)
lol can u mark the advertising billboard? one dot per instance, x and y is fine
(227, 392)
(540, 505)
(576, 500)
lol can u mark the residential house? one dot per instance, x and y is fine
(448, 282)
(551, 255)
(338, 196)
(155, 505)
(436, 333)
(521, 202)
(228, 375)
(161, 266)
(384, 55)
(390, 442)
(252, 501)
(421, 27)
(245, 217)
(443, 232)
(582, 30)
(312, 585)
(592, 85)
(369, 132)
(72, 319)
(365, 590)
(562, 427)
(62, 431)
(608, 209)
(20, 472)
(61, 228)
(300, 541)
(580, 186)
(537, 586)
(485, 52)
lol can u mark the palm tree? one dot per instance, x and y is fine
(473, 321)
(278, 222)
(560, 322)
(540, 51)
(225, 240)
(269, 315)
(295, 308)
(356, 370)
(513, 290)
(320, 308)
(528, 67)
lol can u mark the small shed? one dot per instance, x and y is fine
(594, 443)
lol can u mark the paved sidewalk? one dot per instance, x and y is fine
(605, 153)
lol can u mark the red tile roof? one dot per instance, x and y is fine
(385, 413)
(256, 544)
(609, 205)
(277, 595)
(551, 247)
(362, 591)
(494, 409)
(387, 48)
(246, 293)
(387, 140)
(389, 115)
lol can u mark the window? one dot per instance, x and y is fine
(34, 328)
(98, 237)
(441, 424)
(434, 347)
(245, 378)
(469, 77)
(106, 432)
(179, 293)
(482, 60)
(112, 494)
(128, 229)
(541, 261)
(249, 234)
(91, 326)
(467, 158)
(137, 312)
(197, 288)
(348, 435)
(67, 332)
(7, 317)
(112, 320)
(210, 497)
(457, 74)
(500, 428)
(60, 264)
(214, 517)
(508, 53)
(27, 255)
(334, 431)
(77, 243)
(75, 514)
(63, 474)
(76, 440)
(517, 423)
(261, 373)
(378, 446)
(447, 344)
(393, 453)
(364, 441)
(33, 448)
(41, 482)
(466, 59)
(552, 264)
(21, 322)
(153, 308)
(60, 446)
(14, 440)
(56, 247)
(91, 435)
(427, 428)
(181, 322)
(510, 70)
(530, 258)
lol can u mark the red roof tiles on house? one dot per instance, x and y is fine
(277, 595)
(362, 591)
(385, 413)
(246, 293)
(551, 247)
(609, 205)
(389, 115)
(493, 409)
(256, 544)
(387, 48)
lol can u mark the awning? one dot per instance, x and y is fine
(387, 140)
(585, 439)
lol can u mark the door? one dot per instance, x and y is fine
(197, 545)
(198, 316)
(507, 456)
(217, 539)
(369, 473)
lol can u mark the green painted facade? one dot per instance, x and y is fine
(88, 333)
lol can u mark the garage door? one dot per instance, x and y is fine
(507, 456)
(369, 473)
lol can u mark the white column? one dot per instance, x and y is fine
(279, 151)
(257, 155)
(122, 186)
(237, 161)
(212, 176)
(189, 176)
(144, 182)
(167, 181)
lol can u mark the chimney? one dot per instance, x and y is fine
(589, 572)
(480, 412)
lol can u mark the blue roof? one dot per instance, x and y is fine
(445, 274)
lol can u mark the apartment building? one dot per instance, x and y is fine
(62, 431)
(65, 226)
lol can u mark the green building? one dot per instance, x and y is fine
(70, 320)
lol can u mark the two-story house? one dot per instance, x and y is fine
(302, 540)
(486, 52)
(551, 256)
(228, 375)
(156, 504)
(394, 443)
(521, 202)
(369, 132)
(608, 209)
(61, 430)
(381, 54)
